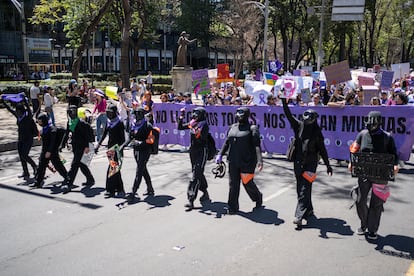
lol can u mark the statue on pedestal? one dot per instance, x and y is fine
(183, 41)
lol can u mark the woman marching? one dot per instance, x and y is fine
(26, 129)
(116, 131)
(141, 137)
(198, 153)
(309, 145)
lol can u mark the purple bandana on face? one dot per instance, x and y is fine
(114, 122)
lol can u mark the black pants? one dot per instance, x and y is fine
(369, 215)
(43, 162)
(35, 106)
(141, 157)
(23, 148)
(234, 181)
(198, 181)
(76, 164)
(304, 206)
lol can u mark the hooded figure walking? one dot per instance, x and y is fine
(309, 145)
(198, 153)
(374, 140)
(244, 154)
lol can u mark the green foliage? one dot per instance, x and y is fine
(196, 19)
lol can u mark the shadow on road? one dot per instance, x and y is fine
(216, 208)
(403, 246)
(262, 215)
(329, 225)
(159, 201)
(92, 191)
(34, 193)
(258, 215)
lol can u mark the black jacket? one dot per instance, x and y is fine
(243, 145)
(309, 142)
(81, 136)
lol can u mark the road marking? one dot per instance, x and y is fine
(278, 193)
(7, 178)
(410, 271)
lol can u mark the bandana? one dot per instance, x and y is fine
(112, 123)
(73, 123)
(19, 119)
(46, 128)
(137, 125)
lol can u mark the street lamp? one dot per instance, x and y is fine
(264, 8)
(318, 68)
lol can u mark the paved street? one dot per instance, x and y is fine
(81, 233)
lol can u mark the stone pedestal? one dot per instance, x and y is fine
(182, 79)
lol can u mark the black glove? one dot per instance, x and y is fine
(329, 170)
(96, 149)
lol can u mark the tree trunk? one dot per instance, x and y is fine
(85, 38)
(124, 62)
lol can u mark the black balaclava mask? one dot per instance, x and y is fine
(73, 112)
(139, 114)
(373, 121)
(199, 114)
(43, 119)
(309, 116)
(111, 111)
(20, 110)
(242, 115)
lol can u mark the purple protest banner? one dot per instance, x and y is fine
(340, 126)
(386, 79)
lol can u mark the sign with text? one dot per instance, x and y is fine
(337, 72)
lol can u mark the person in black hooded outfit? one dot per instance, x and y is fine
(373, 139)
(198, 153)
(309, 145)
(116, 131)
(140, 136)
(243, 145)
(82, 135)
(50, 146)
(26, 129)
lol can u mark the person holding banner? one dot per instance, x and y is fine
(374, 140)
(309, 147)
(198, 153)
(26, 129)
(244, 154)
(116, 131)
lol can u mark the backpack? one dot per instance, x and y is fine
(155, 132)
(211, 147)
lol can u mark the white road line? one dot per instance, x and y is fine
(278, 193)
(7, 178)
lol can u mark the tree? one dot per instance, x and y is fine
(81, 19)
(196, 19)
